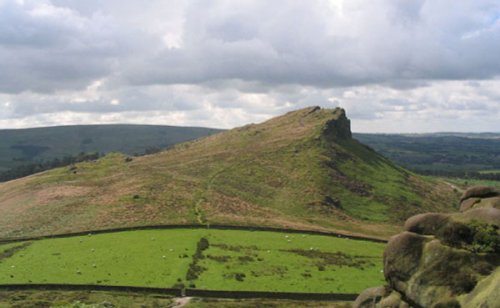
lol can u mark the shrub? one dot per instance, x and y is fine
(485, 238)
(203, 244)
(239, 276)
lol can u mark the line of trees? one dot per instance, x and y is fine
(39, 166)
(28, 168)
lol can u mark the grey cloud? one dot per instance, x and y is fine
(251, 59)
(398, 43)
(44, 48)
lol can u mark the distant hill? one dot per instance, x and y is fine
(21, 146)
(438, 152)
(302, 170)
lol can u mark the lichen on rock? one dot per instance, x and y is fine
(445, 260)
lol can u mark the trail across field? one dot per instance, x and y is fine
(229, 260)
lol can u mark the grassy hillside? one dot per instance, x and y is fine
(231, 261)
(301, 170)
(19, 146)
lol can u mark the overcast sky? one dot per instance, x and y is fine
(395, 65)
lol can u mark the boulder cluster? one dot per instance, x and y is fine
(444, 260)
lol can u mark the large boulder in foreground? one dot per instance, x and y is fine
(444, 260)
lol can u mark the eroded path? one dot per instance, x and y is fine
(181, 301)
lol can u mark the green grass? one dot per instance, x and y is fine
(271, 261)
(131, 258)
(489, 171)
(235, 260)
(465, 183)
(4, 247)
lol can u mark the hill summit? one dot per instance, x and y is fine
(300, 170)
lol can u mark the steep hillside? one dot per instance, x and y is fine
(20, 146)
(301, 170)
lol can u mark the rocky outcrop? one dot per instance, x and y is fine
(444, 260)
(338, 128)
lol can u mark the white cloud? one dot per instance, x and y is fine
(409, 65)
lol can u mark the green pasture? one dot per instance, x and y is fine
(233, 260)
(497, 171)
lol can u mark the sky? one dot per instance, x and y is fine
(394, 65)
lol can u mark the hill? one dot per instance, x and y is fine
(302, 170)
(439, 153)
(21, 146)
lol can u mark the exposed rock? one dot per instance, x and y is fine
(425, 224)
(444, 260)
(488, 202)
(339, 128)
(485, 294)
(370, 297)
(486, 214)
(401, 258)
(479, 203)
(467, 204)
(480, 192)
(393, 300)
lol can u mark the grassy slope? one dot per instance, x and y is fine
(291, 171)
(56, 142)
(270, 261)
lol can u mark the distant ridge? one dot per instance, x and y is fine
(20, 146)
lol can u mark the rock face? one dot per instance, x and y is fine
(444, 260)
(339, 128)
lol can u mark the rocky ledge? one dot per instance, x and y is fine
(444, 260)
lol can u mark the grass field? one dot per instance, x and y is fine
(497, 171)
(465, 183)
(230, 260)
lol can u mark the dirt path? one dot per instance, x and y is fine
(454, 186)
(208, 186)
(181, 301)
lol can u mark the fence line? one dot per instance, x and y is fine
(89, 287)
(193, 226)
(184, 292)
(272, 295)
